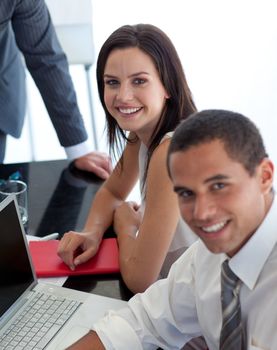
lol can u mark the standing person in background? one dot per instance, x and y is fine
(224, 285)
(144, 93)
(26, 26)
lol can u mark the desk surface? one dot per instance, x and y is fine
(59, 198)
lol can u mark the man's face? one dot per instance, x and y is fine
(218, 198)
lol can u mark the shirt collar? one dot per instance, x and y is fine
(248, 263)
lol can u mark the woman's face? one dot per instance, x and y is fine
(134, 94)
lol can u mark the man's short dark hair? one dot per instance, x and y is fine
(241, 138)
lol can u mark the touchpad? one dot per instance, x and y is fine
(74, 334)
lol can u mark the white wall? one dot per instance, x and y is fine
(229, 53)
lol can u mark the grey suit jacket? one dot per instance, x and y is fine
(26, 25)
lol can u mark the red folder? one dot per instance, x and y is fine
(48, 264)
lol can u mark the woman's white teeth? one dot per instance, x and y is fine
(129, 110)
(214, 228)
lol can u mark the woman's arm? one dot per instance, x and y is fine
(141, 258)
(100, 217)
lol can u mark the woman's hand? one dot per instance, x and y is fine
(76, 248)
(127, 218)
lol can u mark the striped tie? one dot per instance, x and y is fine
(231, 337)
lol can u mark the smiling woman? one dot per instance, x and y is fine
(144, 94)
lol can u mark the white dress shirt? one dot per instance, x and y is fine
(187, 303)
(78, 150)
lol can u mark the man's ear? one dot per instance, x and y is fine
(266, 169)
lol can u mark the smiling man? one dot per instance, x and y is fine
(224, 286)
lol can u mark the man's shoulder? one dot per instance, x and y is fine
(198, 257)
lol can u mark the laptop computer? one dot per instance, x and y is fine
(19, 288)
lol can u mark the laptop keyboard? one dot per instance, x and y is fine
(38, 323)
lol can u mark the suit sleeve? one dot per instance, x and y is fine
(47, 63)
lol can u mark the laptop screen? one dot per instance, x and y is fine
(16, 274)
